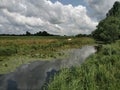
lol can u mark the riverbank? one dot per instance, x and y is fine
(101, 71)
(18, 50)
(32, 76)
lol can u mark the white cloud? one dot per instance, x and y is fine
(100, 7)
(20, 19)
(19, 16)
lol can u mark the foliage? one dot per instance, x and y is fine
(44, 33)
(108, 30)
(83, 35)
(99, 72)
(40, 33)
(28, 33)
(115, 10)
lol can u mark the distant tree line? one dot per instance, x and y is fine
(83, 35)
(40, 33)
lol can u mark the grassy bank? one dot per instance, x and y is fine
(17, 50)
(99, 72)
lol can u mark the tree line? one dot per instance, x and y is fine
(40, 33)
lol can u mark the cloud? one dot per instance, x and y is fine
(99, 8)
(19, 16)
(20, 19)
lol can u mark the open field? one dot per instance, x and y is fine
(99, 72)
(17, 50)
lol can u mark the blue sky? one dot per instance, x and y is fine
(73, 2)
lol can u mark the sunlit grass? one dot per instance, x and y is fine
(17, 49)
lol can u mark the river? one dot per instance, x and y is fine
(32, 76)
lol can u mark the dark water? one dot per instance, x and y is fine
(32, 76)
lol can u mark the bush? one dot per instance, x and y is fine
(7, 51)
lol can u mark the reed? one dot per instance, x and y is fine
(99, 72)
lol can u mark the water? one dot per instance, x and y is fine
(32, 76)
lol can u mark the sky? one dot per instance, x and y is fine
(60, 17)
(73, 2)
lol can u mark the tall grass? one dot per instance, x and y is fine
(99, 72)
(38, 47)
(17, 50)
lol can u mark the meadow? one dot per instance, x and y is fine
(18, 50)
(100, 71)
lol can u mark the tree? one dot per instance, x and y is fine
(28, 33)
(108, 30)
(115, 10)
(44, 33)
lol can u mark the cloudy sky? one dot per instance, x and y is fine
(61, 17)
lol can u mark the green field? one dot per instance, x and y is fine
(17, 50)
(101, 71)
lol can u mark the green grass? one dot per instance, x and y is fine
(99, 72)
(17, 50)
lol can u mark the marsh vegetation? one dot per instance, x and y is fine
(101, 71)
(17, 50)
